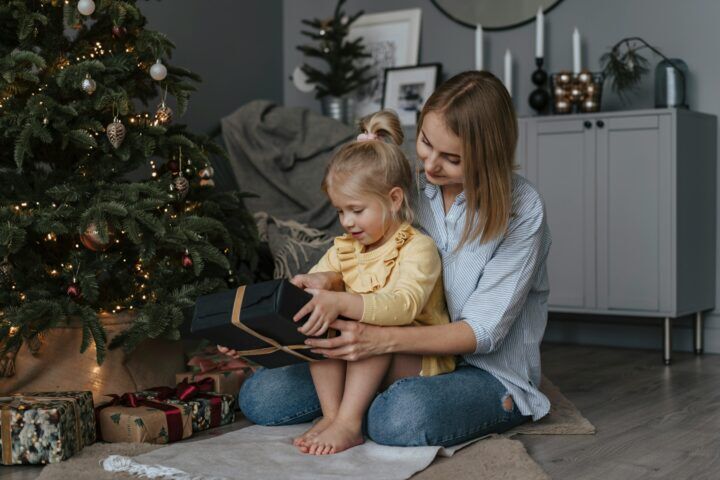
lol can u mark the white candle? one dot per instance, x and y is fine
(478, 47)
(508, 71)
(539, 33)
(576, 50)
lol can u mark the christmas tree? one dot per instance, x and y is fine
(343, 74)
(79, 238)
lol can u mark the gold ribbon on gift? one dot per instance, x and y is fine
(291, 349)
(15, 401)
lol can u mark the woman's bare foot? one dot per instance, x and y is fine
(313, 431)
(339, 436)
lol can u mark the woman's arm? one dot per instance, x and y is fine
(359, 340)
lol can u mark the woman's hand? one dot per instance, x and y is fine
(319, 281)
(323, 309)
(356, 341)
(229, 352)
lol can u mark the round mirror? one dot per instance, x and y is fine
(493, 14)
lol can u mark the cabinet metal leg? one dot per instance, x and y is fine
(698, 333)
(667, 340)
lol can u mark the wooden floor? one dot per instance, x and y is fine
(653, 421)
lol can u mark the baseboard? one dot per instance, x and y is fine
(645, 333)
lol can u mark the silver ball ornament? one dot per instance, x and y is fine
(86, 7)
(88, 85)
(158, 71)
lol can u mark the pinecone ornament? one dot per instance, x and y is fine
(6, 272)
(115, 132)
(182, 186)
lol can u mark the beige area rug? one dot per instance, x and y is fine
(495, 456)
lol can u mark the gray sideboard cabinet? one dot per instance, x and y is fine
(631, 204)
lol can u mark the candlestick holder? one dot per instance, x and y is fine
(539, 98)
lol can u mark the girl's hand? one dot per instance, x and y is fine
(229, 352)
(319, 281)
(323, 309)
(356, 341)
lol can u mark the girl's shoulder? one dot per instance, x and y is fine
(526, 200)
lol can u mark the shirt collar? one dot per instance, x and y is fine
(431, 189)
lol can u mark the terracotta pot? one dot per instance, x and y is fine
(59, 365)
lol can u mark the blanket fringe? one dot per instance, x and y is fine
(119, 463)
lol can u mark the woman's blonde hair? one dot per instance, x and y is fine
(476, 107)
(374, 166)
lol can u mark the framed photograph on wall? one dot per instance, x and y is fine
(406, 89)
(393, 40)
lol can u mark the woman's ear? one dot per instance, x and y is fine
(397, 196)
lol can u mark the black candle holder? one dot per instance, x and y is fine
(539, 98)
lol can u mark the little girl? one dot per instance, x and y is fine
(391, 273)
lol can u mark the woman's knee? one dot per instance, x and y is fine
(279, 396)
(401, 415)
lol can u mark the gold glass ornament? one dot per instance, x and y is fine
(163, 115)
(562, 104)
(115, 132)
(182, 186)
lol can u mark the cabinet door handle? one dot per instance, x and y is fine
(600, 124)
(588, 124)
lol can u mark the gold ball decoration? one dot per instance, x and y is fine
(115, 132)
(564, 78)
(562, 105)
(92, 241)
(584, 77)
(590, 105)
(163, 115)
(576, 93)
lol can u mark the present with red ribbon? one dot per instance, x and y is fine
(207, 409)
(227, 375)
(132, 417)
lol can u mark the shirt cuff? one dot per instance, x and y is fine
(368, 315)
(483, 343)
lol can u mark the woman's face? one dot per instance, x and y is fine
(439, 150)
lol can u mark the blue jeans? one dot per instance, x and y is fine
(441, 410)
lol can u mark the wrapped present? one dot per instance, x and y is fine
(208, 410)
(227, 375)
(132, 418)
(256, 320)
(45, 427)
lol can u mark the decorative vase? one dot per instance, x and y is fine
(59, 366)
(341, 109)
(670, 84)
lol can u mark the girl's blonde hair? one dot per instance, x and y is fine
(374, 167)
(477, 108)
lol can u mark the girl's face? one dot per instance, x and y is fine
(366, 219)
(439, 150)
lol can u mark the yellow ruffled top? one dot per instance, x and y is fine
(400, 283)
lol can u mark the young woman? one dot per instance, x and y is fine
(489, 226)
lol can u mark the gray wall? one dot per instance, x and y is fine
(687, 30)
(236, 46)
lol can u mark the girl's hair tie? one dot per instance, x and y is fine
(366, 136)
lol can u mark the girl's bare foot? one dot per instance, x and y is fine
(313, 431)
(339, 436)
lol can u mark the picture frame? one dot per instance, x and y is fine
(406, 89)
(393, 40)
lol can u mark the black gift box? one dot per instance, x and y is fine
(239, 319)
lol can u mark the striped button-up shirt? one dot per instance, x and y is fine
(500, 288)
